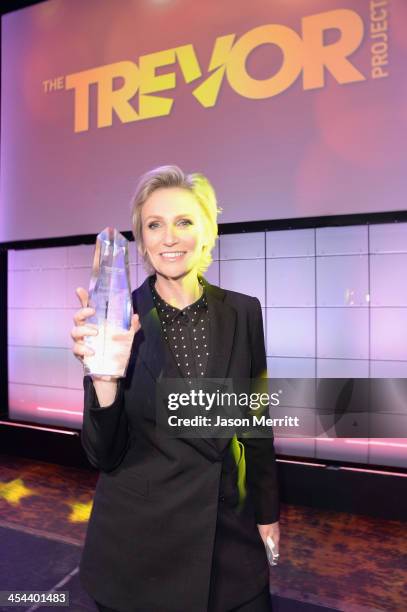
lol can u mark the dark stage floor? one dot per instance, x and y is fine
(329, 560)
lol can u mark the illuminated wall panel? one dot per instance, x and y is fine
(336, 338)
(388, 238)
(247, 272)
(351, 240)
(290, 367)
(343, 333)
(291, 280)
(342, 281)
(388, 289)
(291, 332)
(286, 243)
(248, 246)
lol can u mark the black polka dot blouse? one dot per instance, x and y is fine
(186, 331)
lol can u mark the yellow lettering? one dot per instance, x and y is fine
(379, 15)
(108, 99)
(291, 46)
(207, 92)
(117, 100)
(188, 63)
(318, 56)
(80, 83)
(118, 83)
(378, 26)
(150, 82)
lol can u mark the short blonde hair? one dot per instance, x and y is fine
(198, 185)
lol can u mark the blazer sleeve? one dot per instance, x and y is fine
(261, 466)
(105, 431)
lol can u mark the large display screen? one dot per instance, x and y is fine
(292, 109)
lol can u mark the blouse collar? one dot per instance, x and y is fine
(169, 313)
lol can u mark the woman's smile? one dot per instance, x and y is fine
(172, 255)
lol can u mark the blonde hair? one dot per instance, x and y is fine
(201, 189)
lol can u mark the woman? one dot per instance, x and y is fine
(169, 531)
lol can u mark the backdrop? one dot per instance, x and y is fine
(292, 109)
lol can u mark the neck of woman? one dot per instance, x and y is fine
(181, 291)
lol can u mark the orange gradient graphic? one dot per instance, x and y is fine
(292, 108)
(308, 54)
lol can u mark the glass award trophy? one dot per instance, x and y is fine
(110, 296)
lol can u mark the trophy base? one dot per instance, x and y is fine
(104, 375)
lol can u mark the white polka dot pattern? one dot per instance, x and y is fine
(187, 328)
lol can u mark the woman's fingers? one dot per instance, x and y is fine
(80, 331)
(81, 315)
(83, 296)
(86, 311)
(135, 322)
(128, 335)
(80, 350)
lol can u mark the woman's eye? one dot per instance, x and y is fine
(154, 224)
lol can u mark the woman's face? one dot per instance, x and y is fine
(173, 231)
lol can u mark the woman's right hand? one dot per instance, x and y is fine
(123, 342)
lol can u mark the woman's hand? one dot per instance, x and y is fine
(122, 342)
(81, 329)
(272, 530)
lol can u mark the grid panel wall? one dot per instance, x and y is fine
(333, 302)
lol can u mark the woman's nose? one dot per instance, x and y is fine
(170, 236)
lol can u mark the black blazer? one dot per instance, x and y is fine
(150, 542)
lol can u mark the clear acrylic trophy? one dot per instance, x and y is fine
(110, 296)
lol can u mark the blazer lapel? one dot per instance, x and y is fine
(222, 324)
(151, 346)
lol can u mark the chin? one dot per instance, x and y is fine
(174, 271)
